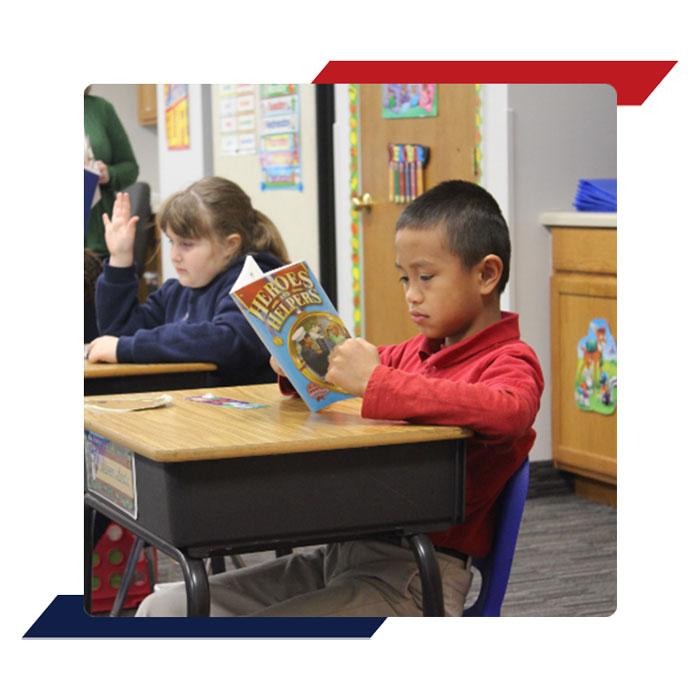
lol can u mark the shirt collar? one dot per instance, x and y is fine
(432, 350)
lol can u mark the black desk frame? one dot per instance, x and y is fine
(197, 509)
(141, 383)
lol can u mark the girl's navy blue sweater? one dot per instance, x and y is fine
(182, 324)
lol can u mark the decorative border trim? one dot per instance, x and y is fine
(355, 223)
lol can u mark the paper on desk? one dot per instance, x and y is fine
(122, 405)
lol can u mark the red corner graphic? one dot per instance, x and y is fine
(634, 81)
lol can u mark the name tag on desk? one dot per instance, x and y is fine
(110, 472)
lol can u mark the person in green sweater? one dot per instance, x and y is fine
(114, 159)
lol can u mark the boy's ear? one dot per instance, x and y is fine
(490, 270)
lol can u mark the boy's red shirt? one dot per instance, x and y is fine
(491, 383)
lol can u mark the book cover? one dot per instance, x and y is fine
(90, 179)
(298, 324)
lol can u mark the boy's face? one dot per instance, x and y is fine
(443, 297)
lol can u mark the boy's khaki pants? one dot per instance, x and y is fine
(371, 578)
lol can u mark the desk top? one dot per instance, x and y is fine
(190, 430)
(95, 370)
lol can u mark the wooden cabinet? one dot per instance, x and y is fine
(584, 352)
(148, 112)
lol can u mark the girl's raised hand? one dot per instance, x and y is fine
(120, 232)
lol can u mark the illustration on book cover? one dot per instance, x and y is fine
(298, 324)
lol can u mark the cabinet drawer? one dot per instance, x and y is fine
(584, 250)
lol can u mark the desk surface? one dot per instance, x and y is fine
(94, 370)
(189, 430)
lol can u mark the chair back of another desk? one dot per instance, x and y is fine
(140, 199)
(495, 567)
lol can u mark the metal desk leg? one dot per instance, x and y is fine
(433, 603)
(196, 585)
(136, 549)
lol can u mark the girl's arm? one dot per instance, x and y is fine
(227, 340)
(117, 303)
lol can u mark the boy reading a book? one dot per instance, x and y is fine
(467, 367)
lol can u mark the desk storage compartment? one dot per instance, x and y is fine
(303, 494)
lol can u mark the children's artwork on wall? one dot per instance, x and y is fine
(409, 100)
(177, 117)
(280, 152)
(596, 370)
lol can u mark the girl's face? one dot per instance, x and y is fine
(198, 261)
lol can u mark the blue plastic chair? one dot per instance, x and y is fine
(495, 567)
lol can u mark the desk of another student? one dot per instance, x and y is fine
(197, 479)
(116, 378)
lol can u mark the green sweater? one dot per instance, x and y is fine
(110, 144)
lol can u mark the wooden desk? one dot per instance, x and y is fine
(214, 480)
(115, 378)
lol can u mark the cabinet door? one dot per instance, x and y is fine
(147, 104)
(584, 442)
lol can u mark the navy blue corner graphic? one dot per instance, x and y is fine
(66, 618)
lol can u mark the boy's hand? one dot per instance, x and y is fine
(103, 349)
(351, 364)
(120, 232)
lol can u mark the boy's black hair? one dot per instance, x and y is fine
(472, 218)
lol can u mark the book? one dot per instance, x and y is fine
(91, 179)
(295, 319)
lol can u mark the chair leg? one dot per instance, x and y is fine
(431, 583)
(218, 565)
(128, 575)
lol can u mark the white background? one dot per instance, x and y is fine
(644, 646)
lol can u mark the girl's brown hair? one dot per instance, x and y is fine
(215, 207)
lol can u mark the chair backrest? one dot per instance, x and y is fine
(140, 199)
(495, 567)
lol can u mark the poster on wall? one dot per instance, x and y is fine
(596, 369)
(177, 122)
(280, 152)
(409, 100)
(237, 122)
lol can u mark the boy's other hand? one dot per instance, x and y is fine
(275, 366)
(120, 232)
(351, 365)
(103, 349)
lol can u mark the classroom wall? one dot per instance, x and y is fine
(179, 168)
(559, 134)
(294, 212)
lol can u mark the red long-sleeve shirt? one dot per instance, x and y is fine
(491, 383)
